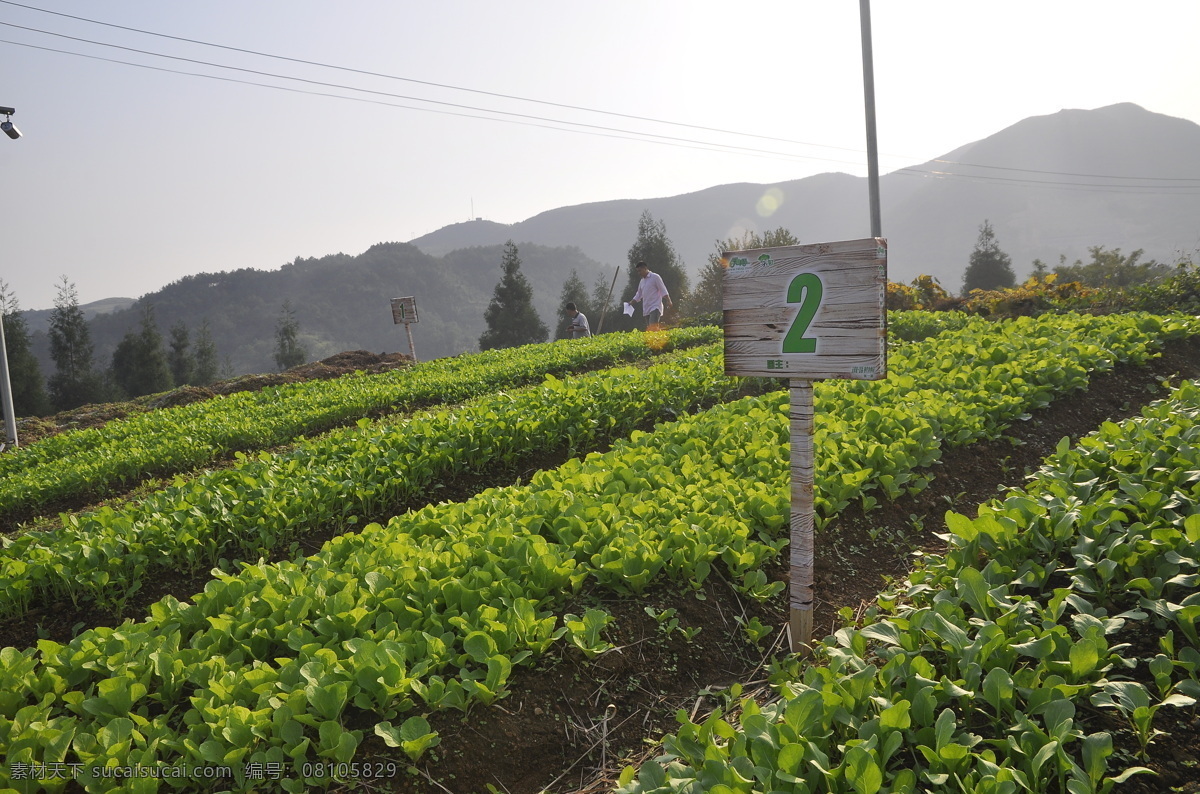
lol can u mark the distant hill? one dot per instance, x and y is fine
(341, 303)
(39, 320)
(1049, 185)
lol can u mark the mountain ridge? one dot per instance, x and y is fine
(1049, 185)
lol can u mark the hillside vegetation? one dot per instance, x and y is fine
(340, 302)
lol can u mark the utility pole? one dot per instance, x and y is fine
(864, 15)
(6, 399)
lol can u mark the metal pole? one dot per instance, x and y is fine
(6, 398)
(864, 14)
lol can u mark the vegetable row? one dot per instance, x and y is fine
(913, 326)
(990, 670)
(95, 462)
(343, 478)
(873, 438)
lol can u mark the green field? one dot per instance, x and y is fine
(973, 675)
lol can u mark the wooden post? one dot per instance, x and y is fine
(608, 300)
(801, 595)
(412, 351)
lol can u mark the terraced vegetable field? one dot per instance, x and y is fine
(289, 673)
(72, 468)
(1065, 613)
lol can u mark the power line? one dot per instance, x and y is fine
(366, 72)
(541, 101)
(547, 122)
(1094, 187)
(1062, 173)
(631, 136)
(600, 131)
(527, 116)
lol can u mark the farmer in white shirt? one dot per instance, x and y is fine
(652, 292)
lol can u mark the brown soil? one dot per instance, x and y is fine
(571, 724)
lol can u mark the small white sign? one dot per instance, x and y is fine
(404, 310)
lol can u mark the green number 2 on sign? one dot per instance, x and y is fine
(805, 289)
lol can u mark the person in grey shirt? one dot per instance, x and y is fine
(579, 327)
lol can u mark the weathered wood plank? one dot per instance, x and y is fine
(801, 591)
(404, 310)
(808, 311)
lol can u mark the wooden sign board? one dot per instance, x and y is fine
(404, 310)
(807, 312)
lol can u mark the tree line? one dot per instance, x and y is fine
(144, 361)
(989, 268)
(510, 317)
(1108, 281)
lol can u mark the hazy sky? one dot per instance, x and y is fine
(127, 178)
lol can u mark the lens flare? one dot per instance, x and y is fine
(741, 228)
(771, 201)
(656, 337)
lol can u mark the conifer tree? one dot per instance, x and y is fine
(25, 376)
(206, 357)
(602, 304)
(989, 267)
(510, 316)
(653, 247)
(288, 350)
(180, 357)
(74, 382)
(139, 364)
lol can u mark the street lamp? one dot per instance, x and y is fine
(6, 400)
(7, 126)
